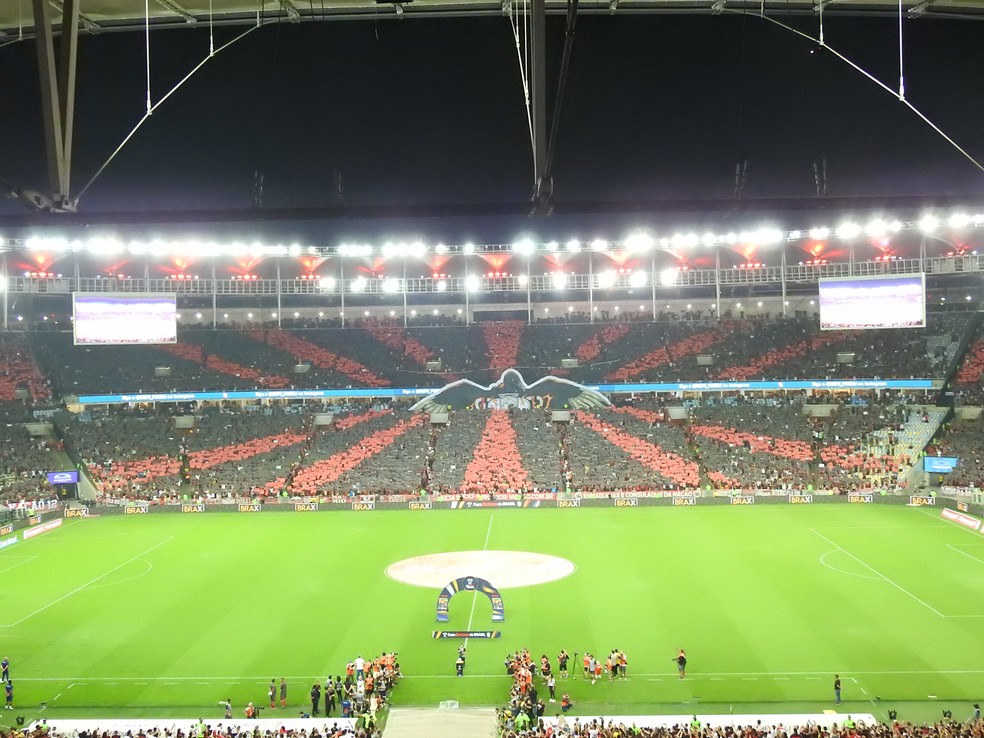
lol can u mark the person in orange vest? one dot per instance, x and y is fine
(565, 702)
(250, 711)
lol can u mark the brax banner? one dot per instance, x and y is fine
(419, 505)
(136, 510)
(681, 501)
(4, 530)
(367, 505)
(305, 507)
(466, 633)
(251, 507)
(743, 500)
(193, 508)
(568, 503)
(921, 501)
(860, 499)
(800, 499)
(470, 584)
(626, 502)
(76, 512)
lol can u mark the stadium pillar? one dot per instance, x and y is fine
(782, 279)
(341, 287)
(652, 278)
(279, 299)
(717, 280)
(57, 81)
(529, 293)
(590, 289)
(405, 319)
(215, 306)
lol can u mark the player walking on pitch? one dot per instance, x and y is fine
(681, 662)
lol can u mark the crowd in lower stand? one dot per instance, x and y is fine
(848, 728)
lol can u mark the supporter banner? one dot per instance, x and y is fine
(193, 508)
(251, 507)
(800, 499)
(863, 499)
(4, 530)
(512, 391)
(63, 477)
(568, 503)
(43, 528)
(76, 512)
(419, 505)
(921, 500)
(743, 499)
(367, 505)
(316, 394)
(466, 633)
(467, 504)
(965, 520)
(305, 507)
(136, 510)
(8, 542)
(684, 501)
(470, 584)
(626, 502)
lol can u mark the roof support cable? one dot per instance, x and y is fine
(901, 73)
(857, 67)
(160, 102)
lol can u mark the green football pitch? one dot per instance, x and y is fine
(164, 615)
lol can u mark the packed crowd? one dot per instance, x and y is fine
(847, 728)
(396, 355)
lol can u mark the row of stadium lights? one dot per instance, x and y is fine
(635, 242)
(435, 311)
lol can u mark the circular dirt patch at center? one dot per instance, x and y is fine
(504, 569)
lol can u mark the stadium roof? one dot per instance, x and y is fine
(97, 16)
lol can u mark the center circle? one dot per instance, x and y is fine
(504, 569)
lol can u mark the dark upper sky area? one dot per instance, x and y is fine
(423, 112)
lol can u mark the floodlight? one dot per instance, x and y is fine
(523, 280)
(599, 244)
(472, 283)
(552, 245)
(959, 220)
(877, 227)
(442, 285)
(607, 279)
(668, 277)
(468, 248)
(358, 284)
(847, 231)
(326, 283)
(391, 285)
(573, 245)
(820, 234)
(638, 278)
(559, 280)
(639, 242)
(929, 223)
(525, 246)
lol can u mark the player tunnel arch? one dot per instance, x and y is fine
(470, 584)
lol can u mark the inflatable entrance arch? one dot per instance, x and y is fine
(470, 584)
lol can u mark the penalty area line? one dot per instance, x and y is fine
(90, 582)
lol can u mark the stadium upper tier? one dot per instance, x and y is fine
(394, 356)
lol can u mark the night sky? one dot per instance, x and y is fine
(430, 112)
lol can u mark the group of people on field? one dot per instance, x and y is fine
(359, 694)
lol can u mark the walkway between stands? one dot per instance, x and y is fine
(433, 723)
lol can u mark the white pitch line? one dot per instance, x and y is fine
(485, 547)
(19, 563)
(91, 581)
(952, 547)
(890, 581)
